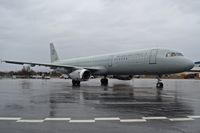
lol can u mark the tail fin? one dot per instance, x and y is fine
(53, 53)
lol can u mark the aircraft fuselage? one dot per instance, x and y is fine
(143, 62)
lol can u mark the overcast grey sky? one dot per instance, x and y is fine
(89, 27)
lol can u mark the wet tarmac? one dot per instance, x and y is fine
(49, 106)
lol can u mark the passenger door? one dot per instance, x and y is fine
(110, 61)
(152, 56)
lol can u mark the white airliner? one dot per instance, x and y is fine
(121, 65)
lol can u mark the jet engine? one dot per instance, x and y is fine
(80, 75)
(123, 77)
(26, 68)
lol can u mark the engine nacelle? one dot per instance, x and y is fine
(26, 68)
(80, 75)
(123, 77)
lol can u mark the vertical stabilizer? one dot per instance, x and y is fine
(53, 53)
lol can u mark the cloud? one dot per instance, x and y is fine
(82, 28)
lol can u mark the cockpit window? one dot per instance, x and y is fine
(168, 54)
(179, 54)
(173, 54)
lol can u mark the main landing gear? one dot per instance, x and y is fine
(159, 84)
(104, 81)
(76, 82)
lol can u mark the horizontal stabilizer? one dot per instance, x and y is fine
(198, 62)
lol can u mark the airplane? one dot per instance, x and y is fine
(122, 65)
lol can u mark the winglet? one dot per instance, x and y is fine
(53, 53)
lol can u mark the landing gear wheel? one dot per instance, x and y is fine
(159, 85)
(104, 81)
(76, 83)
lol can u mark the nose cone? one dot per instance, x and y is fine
(188, 64)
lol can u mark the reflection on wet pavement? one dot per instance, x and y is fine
(56, 98)
(51, 106)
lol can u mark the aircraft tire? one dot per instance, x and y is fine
(104, 81)
(159, 85)
(76, 83)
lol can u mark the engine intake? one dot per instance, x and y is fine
(80, 75)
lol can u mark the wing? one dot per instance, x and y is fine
(52, 65)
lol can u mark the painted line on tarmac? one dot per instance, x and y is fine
(135, 103)
(181, 119)
(30, 121)
(57, 119)
(107, 119)
(194, 116)
(9, 118)
(132, 120)
(155, 118)
(82, 121)
(97, 119)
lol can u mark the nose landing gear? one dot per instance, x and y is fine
(104, 81)
(159, 84)
(76, 83)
